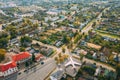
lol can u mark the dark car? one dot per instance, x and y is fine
(19, 73)
(42, 63)
(25, 70)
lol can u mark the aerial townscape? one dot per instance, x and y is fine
(59, 39)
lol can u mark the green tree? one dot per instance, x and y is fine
(3, 42)
(25, 40)
(3, 34)
(118, 71)
(94, 24)
(26, 64)
(56, 59)
(77, 38)
(2, 54)
(65, 39)
(89, 70)
(22, 49)
(33, 57)
(35, 25)
(63, 50)
(60, 55)
(12, 30)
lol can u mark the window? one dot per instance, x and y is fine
(1, 74)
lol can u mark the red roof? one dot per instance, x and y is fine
(5, 67)
(20, 56)
(38, 57)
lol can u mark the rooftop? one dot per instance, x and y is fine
(5, 67)
(21, 56)
(57, 75)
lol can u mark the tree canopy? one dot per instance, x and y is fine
(25, 40)
(2, 54)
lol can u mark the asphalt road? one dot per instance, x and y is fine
(40, 72)
(89, 26)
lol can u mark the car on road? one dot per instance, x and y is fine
(42, 63)
(25, 70)
(19, 73)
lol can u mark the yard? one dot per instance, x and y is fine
(56, 37)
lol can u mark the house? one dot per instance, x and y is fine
(14, 41)
(53, 11)
(117, 57)
(28, 49)
(94, 55)
(27, 15)
(38, 57)
(110, 74)
(57, 75)
(83, 43)
(7, 70)
(83, 52)
(98, 71)
(106, 51)
(103, 58)
(32, 51)
(21, 57)
(58, 44)
(92, 34)
(46, 51)
(74, 7)
(80, 51)
(49, 51)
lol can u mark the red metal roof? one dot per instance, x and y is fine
(20, 56)
(5, 67)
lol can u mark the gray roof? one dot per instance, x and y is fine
(58, 75)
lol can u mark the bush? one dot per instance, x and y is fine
(2, 54)
(22, 49)
(89, 70)
(89, 56)
(77, 38)
(78, 74)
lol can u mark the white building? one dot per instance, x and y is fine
(57, 75)
(8, 69)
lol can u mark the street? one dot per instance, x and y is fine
(40, 72)
(89, 25)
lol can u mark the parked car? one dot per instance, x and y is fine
(42, 63)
